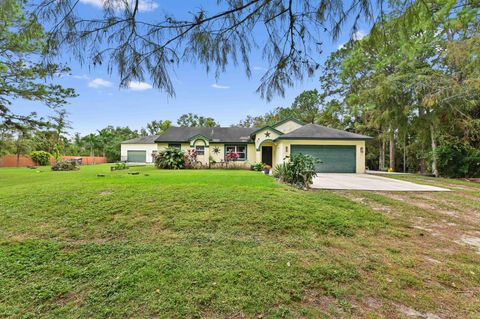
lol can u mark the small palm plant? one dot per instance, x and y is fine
(299, 171)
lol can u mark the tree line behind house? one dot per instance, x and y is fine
(52, 136)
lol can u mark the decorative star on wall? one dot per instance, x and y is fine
(267, 134)
(216, 150)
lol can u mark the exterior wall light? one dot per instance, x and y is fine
(361, 149)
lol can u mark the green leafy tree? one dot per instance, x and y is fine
(194, 120)
(21, 77)
(109, 139)
(60, 126)
(409, 87)
(6, 141)
(306, 106)
(157, 127)
(23, 143)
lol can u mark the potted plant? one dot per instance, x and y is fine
(266, 169)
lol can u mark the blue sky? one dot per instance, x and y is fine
(228, 99)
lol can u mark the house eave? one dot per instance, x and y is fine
(325, 138)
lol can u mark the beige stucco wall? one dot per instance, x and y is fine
(282, 151)
(149, 148)
(288, 126)
(221, 152)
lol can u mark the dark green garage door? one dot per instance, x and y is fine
(137, 156)
(335, 158)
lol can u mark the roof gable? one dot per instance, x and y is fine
(290, 118)
(281, 127)
(267, 127)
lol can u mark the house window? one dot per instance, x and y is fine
(200, 149)
(175, 145)
(241, 150)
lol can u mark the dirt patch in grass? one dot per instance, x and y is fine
(476, 180)
(412, 313)
(430, 256)
(471, 241)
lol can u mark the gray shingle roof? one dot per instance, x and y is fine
(242, 134)
(214, 134)
(142, 140)
(315, 131)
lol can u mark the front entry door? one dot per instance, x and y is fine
(267, 155)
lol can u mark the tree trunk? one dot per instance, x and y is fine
(381, 159)
(405, 153)
(434, 149)
(392, 151)
(18, 150)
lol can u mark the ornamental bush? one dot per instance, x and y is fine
(120, 166)
(231, 156)
(257, 167)
(41, 158)
(170, 158)
(191, 160)
(65, 166)
(299, 171)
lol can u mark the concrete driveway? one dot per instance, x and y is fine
(368, 182)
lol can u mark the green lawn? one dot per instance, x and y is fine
(227, 243)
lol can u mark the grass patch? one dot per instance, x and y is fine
(173, 244)
(226, 243)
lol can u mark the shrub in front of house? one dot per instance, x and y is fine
(191, 160)
(257, 167)
(41, 158)
(170, 158)
(299, 171)
(65, 166)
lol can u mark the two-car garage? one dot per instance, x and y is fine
(139, 150)
(338, 151)
(332, 158)
(136, 156)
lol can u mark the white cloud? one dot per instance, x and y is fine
(218, 86)
(138, 86)
(99, 83)
(143, 5)
(81, 77)
(359, 35)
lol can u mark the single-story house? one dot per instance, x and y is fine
(339, 151)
